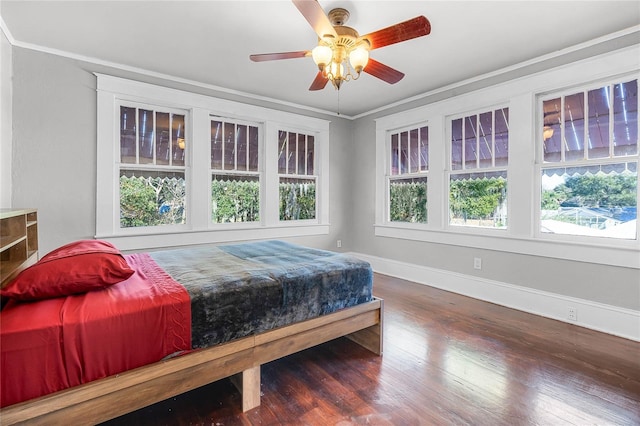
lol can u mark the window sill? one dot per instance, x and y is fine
(147, 241)
(617, 253)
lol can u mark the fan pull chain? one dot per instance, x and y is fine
(338, 101)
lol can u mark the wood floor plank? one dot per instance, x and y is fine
(448, 359)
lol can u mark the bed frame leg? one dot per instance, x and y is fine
(248, 383)
(371, 337)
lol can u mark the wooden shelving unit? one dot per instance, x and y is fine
(18, 241)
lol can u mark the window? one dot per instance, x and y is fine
(589, 162)
(152, 167)
(177, 168)
(478, 169)
(297, 181)
(235, 175)
(407, 179)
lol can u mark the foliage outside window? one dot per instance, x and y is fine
(235, 178)
(407, 183)
(152, 167)
(297, 181)
(478, 176)
(589, 170)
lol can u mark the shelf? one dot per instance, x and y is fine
(9, 241)
(18, 242)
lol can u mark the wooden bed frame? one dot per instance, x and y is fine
(240, 359)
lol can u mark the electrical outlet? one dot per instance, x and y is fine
(572, 314)
(339, 243)
(477, 263)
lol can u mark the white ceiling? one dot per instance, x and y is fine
(209, 42)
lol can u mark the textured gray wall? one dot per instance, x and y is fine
(6, 65)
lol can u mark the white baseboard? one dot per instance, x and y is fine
(593, 315)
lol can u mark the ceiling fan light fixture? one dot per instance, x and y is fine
(321, 55)
(359, 58)
(342, 54)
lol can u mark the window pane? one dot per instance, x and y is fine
(282, 154)
(178, 139)
(574, 126)
(404, 152)
(235, 199)
(297, 199)
(395, 155)
(291, 154)
(599, 122)
(501, 137)
(414, 153)
(478, 199)
(229, 146)
(128, 135)
(253, 149)
(310, 155)
(625, 118)
(151, 198)
(163, 145)
(485, 132)
(551, 132)
(241, 143)
(145, 136)
(456, 144)
(470, 142)
(216, 145)
(424, 148)
(302, 153)
(599, 200)
(408, 200)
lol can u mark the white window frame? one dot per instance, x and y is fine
(260, 173)
(540, 164)
(315, 176)
(151, 167)
(520, 96)
(477, 169)
(389, 177)
(199, 228)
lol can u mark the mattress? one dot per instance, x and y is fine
(242, 289)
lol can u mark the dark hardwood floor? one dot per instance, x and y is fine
(448, 359)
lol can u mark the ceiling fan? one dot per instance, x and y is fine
(342, 54)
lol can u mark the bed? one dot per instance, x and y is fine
(144, 327)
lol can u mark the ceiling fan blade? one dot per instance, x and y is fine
(383, 72)
(313, 13)
(416, 27)
(319, 82)
(261, 57)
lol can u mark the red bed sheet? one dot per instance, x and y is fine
(54, 344)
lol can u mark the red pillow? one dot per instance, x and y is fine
(75, 268)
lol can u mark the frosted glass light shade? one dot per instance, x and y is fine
(359, 58)
(321, 55)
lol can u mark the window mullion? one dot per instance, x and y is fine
(477, 141)
(246, 144)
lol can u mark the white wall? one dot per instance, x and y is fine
(6, 89)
